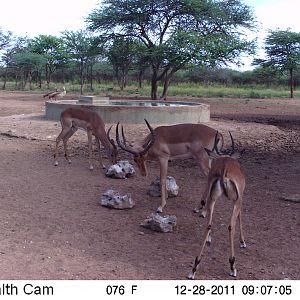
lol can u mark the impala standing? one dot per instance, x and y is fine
(172, 142)
(225, 178)
(73, 119)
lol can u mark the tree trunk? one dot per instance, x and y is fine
(292, 83)
(154, 84)
(154, 89)
(30, 79)
(91, 77)
(40, 79)
(167, 80)
(5, 79)
(47, 76)
(81, 77)
(140, 78)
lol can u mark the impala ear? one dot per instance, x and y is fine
(238, 154)
(211, 153)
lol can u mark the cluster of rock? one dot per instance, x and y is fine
(113, 199)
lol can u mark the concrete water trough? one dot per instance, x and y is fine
(134, 111)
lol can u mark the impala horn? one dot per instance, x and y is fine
(216, 144)
(110, 139)
(123, 144)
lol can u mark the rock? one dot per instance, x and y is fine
(113, 199)
(295, 198)
(172, 187)
(159, 223)
(121, 170)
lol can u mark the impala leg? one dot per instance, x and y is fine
(206, 238)
(163, 183)
(203, 162)
(65, 140)
(231, 230)
(62, 134)
(214, 191)
(242, 238)
(90, 140)
(201, 205)
(99, 153)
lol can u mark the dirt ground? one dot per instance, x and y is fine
(53, 226)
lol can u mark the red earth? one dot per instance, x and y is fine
(53, 226)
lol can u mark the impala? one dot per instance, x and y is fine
(73, 119)
(225, 178)
(172, 142)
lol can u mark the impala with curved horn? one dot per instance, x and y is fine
(172, 142)
(73, 119)
(227, 178)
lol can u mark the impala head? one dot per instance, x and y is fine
(217, 153)
(139, 156)
(112, 152)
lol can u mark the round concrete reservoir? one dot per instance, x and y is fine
(134, 111)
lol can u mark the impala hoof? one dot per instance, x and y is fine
(208, 241)
(191, 275)
(243, 245)
(203, 214)
(233, 273)
(159, 210)
(196, 210)
(56, 163)
(91, 168)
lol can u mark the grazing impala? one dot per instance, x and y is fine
(73, 119)
(172, 142)
(225, 178)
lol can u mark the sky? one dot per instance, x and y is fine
(51, 17)
(272, 15)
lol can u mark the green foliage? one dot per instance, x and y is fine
(82, 48)
(282, 48)
(177, 32)
(5, 38)
(122, 55)
(28, 60)
(26, 63)
(52, 49)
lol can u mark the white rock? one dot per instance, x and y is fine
(172, 187)
(121, 170)
(159, 223)
(113, 199)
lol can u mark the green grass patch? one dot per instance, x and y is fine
(179, 90)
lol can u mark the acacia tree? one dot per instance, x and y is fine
(53, 49)
(282, 49)
(176, 32)
(83, 49)
(27, 63)
(16, 45)
(122, 55)
(5, 38)
(6, 42)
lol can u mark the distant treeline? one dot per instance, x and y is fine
(103, 73)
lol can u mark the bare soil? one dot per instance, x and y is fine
(53, 226)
